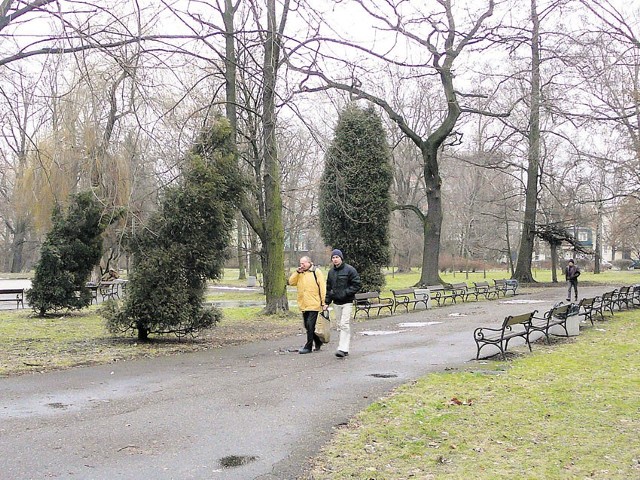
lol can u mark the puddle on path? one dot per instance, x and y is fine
(232, 461)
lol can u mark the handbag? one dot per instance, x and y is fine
(323, 327)
(323, 322)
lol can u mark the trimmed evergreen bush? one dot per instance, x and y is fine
(70, 251)
(354, 195)
(183, 245)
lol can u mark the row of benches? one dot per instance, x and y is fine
(412, 297)
(108, 290)
(526, 324)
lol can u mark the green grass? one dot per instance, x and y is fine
(610, 277)
(569, 410)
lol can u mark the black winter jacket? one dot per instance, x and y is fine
(343, 283)
(571, 273)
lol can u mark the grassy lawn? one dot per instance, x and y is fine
(610, 277)
(32, 344)
(569, 410)
(406, 280)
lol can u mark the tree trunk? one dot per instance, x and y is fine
(598, 245)
(275, 285)
(433, 220)
(404, 261)
(253, 256)
(17, 245)
(403, 252)
(523, 265)
(143, 332)
(508, 235)
(242, 263)
(554, 262)
(230, 68)
(230, 74)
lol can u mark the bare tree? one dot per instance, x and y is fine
(438, 36)
(259, 94)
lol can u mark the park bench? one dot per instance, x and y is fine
(623, 297)
(513, 326)
(12, 295)
(440, 294)
(93, 288)
(605, 302)
(406, 297)
(557, 316)
(586, 307)
(458, 290)
(484, 289)
(505, 286)
(365, 302)
(108, 290)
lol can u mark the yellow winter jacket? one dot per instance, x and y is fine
(311, 289)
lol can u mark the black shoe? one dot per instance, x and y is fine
(568, 299)
(304, 350)
(317, 348)
(341, 354)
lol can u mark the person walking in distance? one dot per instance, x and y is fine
(343, 282)
(311, 293)
(571, 273)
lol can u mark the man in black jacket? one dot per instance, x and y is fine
(343, 282)
(571, 273)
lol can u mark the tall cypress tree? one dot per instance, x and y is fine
(354, 195)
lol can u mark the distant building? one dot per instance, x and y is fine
(584, 236)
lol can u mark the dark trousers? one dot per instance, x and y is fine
(310, 318)
(573, 284)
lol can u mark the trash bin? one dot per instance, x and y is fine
(423, 294)
(573, 327)
(251, 281)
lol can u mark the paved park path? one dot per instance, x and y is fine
(184, 416)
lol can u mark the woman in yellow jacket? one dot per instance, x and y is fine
(312, 290)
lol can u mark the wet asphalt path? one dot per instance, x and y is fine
(180, 417)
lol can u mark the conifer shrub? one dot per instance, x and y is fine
(71, 249)
(354, 194)
(183, 245)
